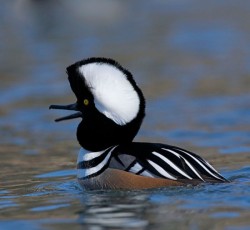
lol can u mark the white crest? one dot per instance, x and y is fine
(114, 95)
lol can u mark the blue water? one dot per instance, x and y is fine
(191, 60)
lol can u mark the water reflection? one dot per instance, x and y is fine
(115, 209)
(128, 209)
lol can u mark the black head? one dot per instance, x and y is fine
(109, 102)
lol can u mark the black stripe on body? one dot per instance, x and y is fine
(94, 162)
(184, 160)
(132, 164)
(98, 172)
(116, 157)
(168, 168)
(150, 168)
(140, 171)
(86, 165)
(183, 165)
(200, 168)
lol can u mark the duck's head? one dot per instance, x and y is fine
(109, 102)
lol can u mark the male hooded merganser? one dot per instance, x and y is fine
(112, 108)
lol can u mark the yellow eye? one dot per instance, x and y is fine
(86, 102)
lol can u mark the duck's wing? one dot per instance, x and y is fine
(150, 160)
(163, 161)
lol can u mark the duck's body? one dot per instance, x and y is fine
(143, 165)
(112, 108)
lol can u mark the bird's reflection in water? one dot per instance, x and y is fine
(116, 209)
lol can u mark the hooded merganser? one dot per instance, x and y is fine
(112, 108)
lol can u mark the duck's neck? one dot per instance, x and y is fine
(104, 132)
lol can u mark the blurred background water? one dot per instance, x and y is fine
(192, 60)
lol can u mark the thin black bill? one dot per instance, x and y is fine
(67, 107)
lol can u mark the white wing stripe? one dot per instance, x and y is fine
(189, 165)
(192, 168)
(161, 170)
(202, 165)
(209, 165)
(171, 151)
(171, 164)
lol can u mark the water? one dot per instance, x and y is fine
(191, 60)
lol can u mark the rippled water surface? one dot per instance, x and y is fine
(192, 61)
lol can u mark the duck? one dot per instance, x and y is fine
(111, 107)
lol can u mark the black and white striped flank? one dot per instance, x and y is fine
(150, 160)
